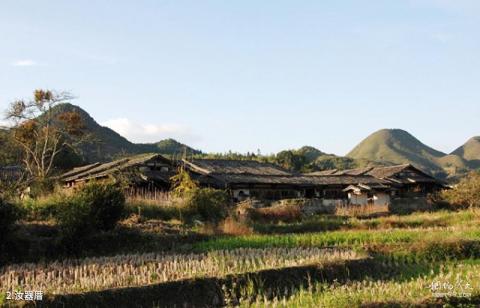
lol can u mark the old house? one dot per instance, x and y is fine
(245, 178)
(253, 179)
(362, 194)
(406, 179)
(350, 189)
(144, 170)
(400, 181)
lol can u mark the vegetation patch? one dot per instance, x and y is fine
(145, 269)
(379, 289)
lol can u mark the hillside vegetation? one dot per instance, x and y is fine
(388, 261)
(94, 247)
(97, 144)
(470, 151)
(384, 147)
(399, 147)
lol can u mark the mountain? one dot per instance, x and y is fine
(319, 160)
(167, 146)
(99, 143)
(103, 144)
(399, 147)
(454, 165)
(470, 152)
(384, 147)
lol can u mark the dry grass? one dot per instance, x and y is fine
(284, 213)
(232, 226)
(361, 210)
(163, 200)
(74, 276)
(165, 206)
(147, 194)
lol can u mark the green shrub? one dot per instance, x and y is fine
(73, 217)
(43, 208)
(42, 188)
(206, 204)
(95, 207)
(182, 183)
(106, 203)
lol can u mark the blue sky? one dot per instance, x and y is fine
(248, 75)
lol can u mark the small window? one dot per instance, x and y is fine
(144, 168)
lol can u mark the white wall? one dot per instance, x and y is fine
(381, 198)
(361, 199)
(333, 202)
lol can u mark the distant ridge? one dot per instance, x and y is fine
(400, 147)
(397, 146)
(470, 152)
(384, 147)
(104, 144)
(167, 146)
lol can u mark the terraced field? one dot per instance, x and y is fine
(418, 259)
(76, 276)
(453, 284)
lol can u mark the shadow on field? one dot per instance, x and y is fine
(473, 301)
(35, 242)
(212, 292)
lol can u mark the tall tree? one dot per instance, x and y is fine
(290, 160)
(41, 132)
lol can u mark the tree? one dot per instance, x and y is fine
(466, 193)
(289, 160)
(182, 183)
(40, 132)
(207, 204)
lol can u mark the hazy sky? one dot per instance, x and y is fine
(248, 75)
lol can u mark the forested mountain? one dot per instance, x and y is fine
(384, 147)
(96, 144)
(100, 143)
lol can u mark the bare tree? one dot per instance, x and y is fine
(40, 131)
